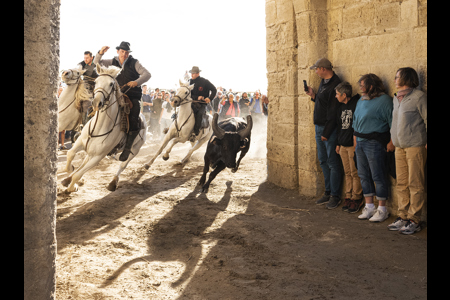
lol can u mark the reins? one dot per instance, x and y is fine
(102, 90)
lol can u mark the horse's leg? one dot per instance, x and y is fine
(166, 140)
(112, 186)
(71, 155)
(76, 176)
(172, 143)
(66, 181)
(199, 143)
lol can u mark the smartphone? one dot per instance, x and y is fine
(305, 86)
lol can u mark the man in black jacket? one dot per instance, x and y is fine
(325, 108)
(133, 75)
(201, 96)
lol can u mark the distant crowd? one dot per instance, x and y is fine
(155, 106)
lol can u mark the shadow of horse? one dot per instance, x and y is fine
(179, 233)
(100, 216)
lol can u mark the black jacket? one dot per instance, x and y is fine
(202, 87)
(344, 121)
(326, 105)
(128, 74)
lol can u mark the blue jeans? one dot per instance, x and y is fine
(371, 164)
(330, 161)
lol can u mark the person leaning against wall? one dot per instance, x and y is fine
(325, 107)
(345, 146)
(409, 135)
(371, 123)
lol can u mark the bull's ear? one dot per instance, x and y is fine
(217, 142)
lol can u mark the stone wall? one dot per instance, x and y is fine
(41, 64)
(358, 37)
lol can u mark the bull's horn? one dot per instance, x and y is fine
(246, 131)
(219, 132)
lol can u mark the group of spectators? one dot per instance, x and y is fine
(368, 137)
(159, 114)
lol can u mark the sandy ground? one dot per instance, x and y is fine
(158, 237)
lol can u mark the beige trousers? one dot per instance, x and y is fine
(353, 189)
(410, 169)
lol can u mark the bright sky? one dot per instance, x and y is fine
(226, 39)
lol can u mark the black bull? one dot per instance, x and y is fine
(229, 137)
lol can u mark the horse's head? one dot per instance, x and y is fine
(71, 76)
(183, 93)
(105, 85)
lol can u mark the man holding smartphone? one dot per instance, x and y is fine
(325, 107)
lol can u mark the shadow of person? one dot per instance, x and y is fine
(178, 235)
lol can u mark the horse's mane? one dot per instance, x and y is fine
(81, 94)
(111, 70)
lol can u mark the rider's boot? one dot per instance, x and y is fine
(128, 144)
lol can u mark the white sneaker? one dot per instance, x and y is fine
(410, 228)
(397, 224)
(366, 213)
(379, 216)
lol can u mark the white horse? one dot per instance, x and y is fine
(102, 133)
(180, 130)
(69, 102)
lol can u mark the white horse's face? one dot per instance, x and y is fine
(104, 87)
(71, 76)
(183, 92)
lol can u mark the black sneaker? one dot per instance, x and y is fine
(334, 202)
(324, 199)
(355, 206)
(346, 204)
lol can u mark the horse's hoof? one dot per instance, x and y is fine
(146, 167)
(73, 189)
(234, 170)
(112, 186)
(205, 189)
(66, 181)
(165, 157)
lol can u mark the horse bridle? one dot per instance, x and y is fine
(185, 98)
(105, 94)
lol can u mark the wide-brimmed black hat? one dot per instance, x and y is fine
(125, 46)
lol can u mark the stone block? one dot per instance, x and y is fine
(334, 23)
(352, 51)
(282, 153)
(409, 13)
(283, 134)
(420, 43)
(387, 18)
(310, 183)
(285, 11)
(271, 13)
(271, 61)
(281, 174)
(358, 20)
(385, 48)
(303, 27)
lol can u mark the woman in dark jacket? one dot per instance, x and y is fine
(244, 103)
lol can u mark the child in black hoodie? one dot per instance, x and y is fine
(345, 147)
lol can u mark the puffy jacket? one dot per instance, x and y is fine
(409, 120)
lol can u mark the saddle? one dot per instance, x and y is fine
(125, 121)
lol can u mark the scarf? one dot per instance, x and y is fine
(403, 93)
(231, 111)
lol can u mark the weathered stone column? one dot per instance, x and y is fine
(41, 65)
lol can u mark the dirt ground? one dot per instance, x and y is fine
(158, 237)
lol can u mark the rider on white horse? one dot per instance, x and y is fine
(200, 95)
(133, 75)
